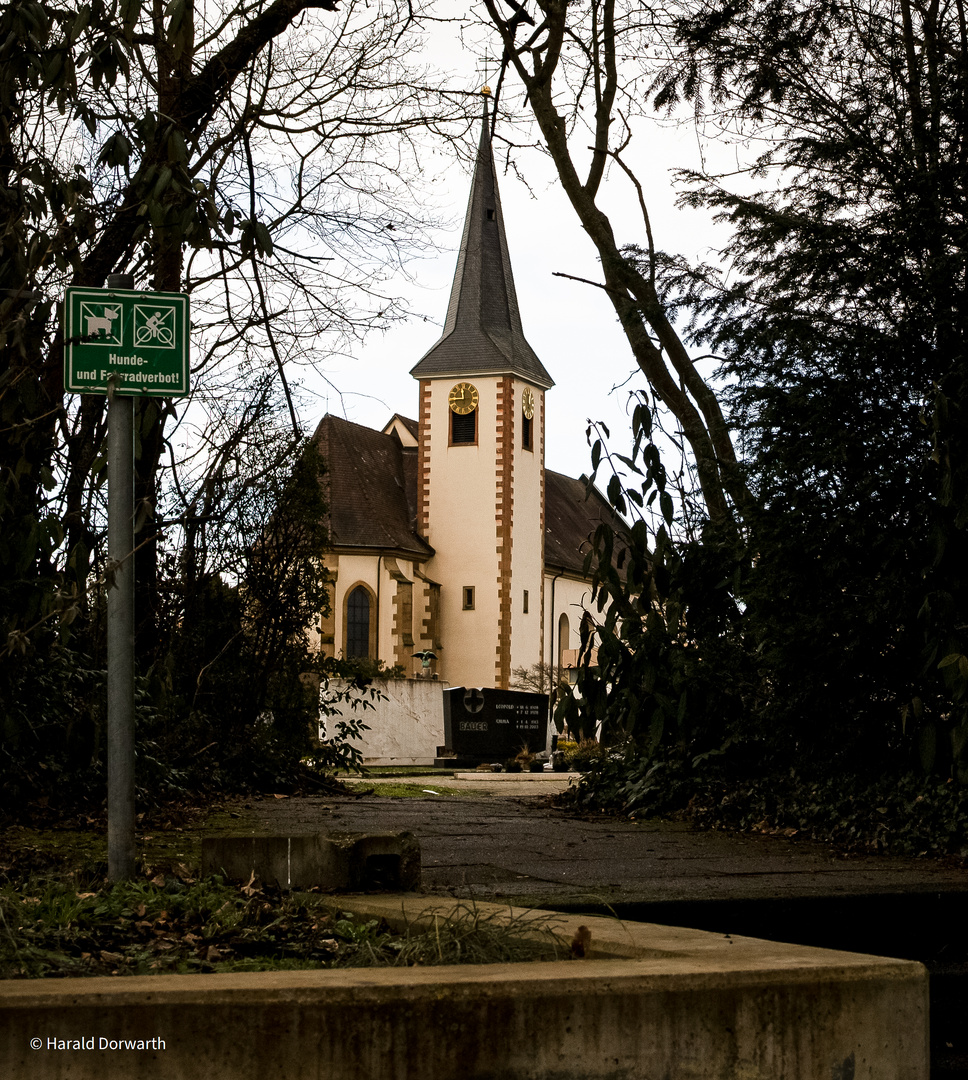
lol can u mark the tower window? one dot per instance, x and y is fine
(526, 601)
(463, 428)
(468, 592)
(491, 214)
(527, 433)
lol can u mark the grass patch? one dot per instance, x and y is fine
(467, 936)
(388, 790)
(58, 929)
(400, 770)
(81, 849)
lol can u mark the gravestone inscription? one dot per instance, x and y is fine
(493, 725)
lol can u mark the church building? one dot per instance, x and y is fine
(447, 533)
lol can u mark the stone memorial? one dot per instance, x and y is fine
(485, 725)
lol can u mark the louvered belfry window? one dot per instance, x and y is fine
(463, 428)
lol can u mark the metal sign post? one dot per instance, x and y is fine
(120, 600)
(121, 813)
(123, 343)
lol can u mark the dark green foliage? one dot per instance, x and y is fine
(843, 331)
(232, 703)
(363, 669)
(53, 715)
(827, 631)
(905, 814)
(671, 667)
(237, 691)
(54, 736)
(943, 738)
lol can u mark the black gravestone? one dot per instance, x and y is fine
(493, 725)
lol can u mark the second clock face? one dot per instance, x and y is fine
(527, 403)
(463, 398)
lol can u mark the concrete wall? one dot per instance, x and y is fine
(692, 1006)
(407, 726)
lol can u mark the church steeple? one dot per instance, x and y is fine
(482, 333)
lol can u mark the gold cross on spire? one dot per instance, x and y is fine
(483, 65)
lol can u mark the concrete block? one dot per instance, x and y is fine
(653, 1003)
(334, 863)
(405, 724)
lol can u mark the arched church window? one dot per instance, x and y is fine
(358, 623)
(563, 642)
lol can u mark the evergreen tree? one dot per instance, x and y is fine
(829, 628)
(842, 322)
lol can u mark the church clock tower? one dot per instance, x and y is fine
(480, 483)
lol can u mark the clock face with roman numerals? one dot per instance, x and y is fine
(527, 403)
(463, 398)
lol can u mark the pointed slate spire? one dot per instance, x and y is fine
(482, 334)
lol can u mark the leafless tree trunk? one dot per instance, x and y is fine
(590, 31)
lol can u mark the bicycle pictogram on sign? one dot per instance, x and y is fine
(154, 325)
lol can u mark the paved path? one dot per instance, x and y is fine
(517, 847)
(503, 845)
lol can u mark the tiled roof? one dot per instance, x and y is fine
(483, 334)
(412, 427)
(571, 518)
(371, 486)
(367, 480)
